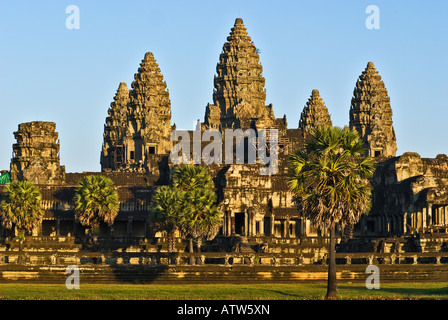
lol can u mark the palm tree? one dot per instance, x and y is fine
(95, 201)
(166, 209)
(201, 217)
(21, 207)
(330, 184)
(188, 177)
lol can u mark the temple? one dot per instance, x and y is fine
(139, 121)
(410, 193)
(371, 114)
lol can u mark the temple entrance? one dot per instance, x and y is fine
(239, 222)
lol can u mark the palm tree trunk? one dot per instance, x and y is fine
(191, 251)
(332, 290)
(199, 244)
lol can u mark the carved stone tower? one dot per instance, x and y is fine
(314, 114)
(36, 154)
(112, 155)
(239, 95)
(371, 114)
(139, 121)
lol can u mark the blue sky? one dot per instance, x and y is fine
(51, 73)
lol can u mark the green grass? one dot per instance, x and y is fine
(300, 291)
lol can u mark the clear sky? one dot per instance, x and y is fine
(69, 76)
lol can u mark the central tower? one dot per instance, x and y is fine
(239, 95)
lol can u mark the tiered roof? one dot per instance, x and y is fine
(371, 113)
(239, 93)
(314, 114)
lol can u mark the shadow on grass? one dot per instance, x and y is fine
(390, 292)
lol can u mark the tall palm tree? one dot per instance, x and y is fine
(21, 207)
(201, 217)
(95, 201)
(330, 184)
(166, 209)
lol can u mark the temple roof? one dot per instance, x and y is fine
(315, 113)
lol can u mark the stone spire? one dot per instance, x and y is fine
(314, 114)
(149, 120)
(139, 120)
(371, 114)
(36, 154)
(115, 129)
(239, 93)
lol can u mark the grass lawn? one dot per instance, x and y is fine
(301, 291)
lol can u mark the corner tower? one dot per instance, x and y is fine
(371, 114)
(239, 95)
(36, 154)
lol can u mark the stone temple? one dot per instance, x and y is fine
(410, 192)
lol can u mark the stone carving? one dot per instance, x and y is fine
(371, 114)
(239, 93)
(112, 154)
(314, 114)
(409, 192)
(36, 154)
(144, 115)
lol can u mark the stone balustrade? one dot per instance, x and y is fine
(155, 259)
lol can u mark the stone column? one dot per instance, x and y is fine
(262, 227)
(287, 222)
(419, 219)
(254, 224)
(446, 215)
(246, 223)
(430, 222)
(405, 227)
(272, 225)
(425, 214)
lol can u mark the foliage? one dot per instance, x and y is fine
(330, 184)
(188, 204)
(330, 178)
(166, 208)
(95, 201)
(21, 206)
(201, 218)
(189, 177)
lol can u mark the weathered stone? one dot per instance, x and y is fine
(314, 114)
(36, 154)
(239, 95)
(371, 114)
(112, 155)
(139, 122)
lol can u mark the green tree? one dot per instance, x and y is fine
(166, 210)
(330, 184)
(21, 207)
(200, 217)
(95, 201)
(189, 177)
(188, 204)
